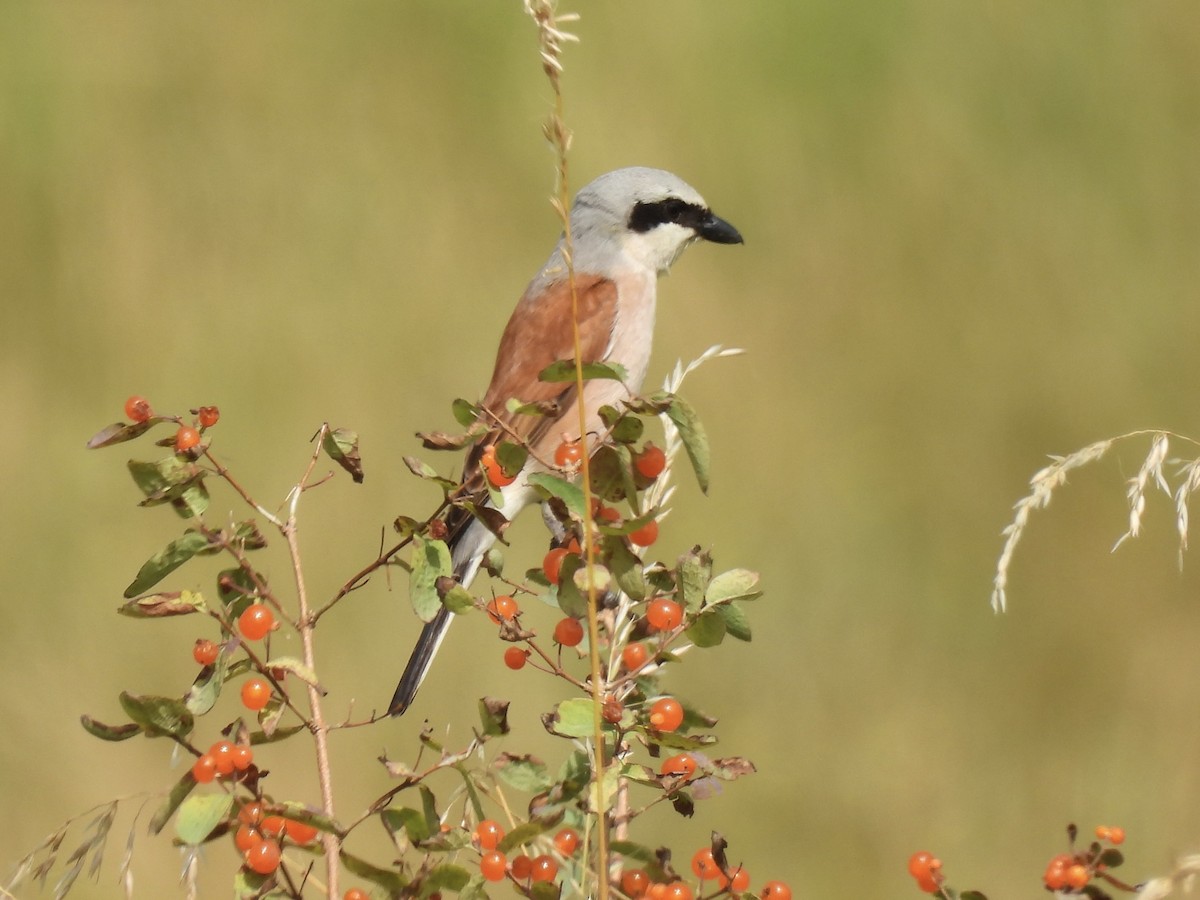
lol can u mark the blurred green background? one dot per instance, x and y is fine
(972, 235)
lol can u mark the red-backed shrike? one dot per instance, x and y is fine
(627, 228)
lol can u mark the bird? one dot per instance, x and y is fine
(627, 227)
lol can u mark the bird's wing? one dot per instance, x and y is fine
(538, 334)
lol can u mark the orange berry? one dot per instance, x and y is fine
(493, 470)
(186, 438)
(208, 416)
(544, 868)
(566, 841)
(256, 693)
(246, 837)
(1102, 832)
(137, 409)
(646, 535)
(568, 454)
(666, 714)
(704, 865)
(204, 769)
(602, 513)
(664, 614)
(243, 757)
(634, 882)
(930, 884)
(256, 622)
(657, 891)
(612, 710)
(205, 652)
(568, 632)
(552, 564)
(776, 890)
(493, 865)
(923, 863)
(650, 462)
(515, 658)
(250, 813)
(275, 826)
(677, 890)
(222, 754)
(300, 832)
(521, 867)
(740, 881)
(263, 857)
(683, 764)
(1116, 834)
(502, 607)
(1077, 876)
(634, 656)
(1055, 876)
(356, 894)
(489, 833)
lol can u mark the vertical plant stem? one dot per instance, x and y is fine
(320, 730)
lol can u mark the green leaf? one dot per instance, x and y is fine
(511, 457)
(430, 561)
(571, 718)
(390, 880)
(464, 413)
(473, 889)
(736, 584)
(626, 568)
(737, 623)
(429, 473)
(545, 890)
(199, 815)
(429, 807)
(207, 687)
(526, 832)
(695, 441)
(446, 877)
(611, 471)
(341, 445)
(457, 599)
(569, 597)
(119, 432)
(523, 773)
(247, 535)
(692, 575)
(109, 732)
(555, 486)
(564, 370)
(708, 630)
(158, 606)
(640, 852)
(170, 558)
(173, 480)
(408, 820)
(493, 716)
(178, 794)
(299, 669)
(158, 716)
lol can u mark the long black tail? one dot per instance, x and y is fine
(468, 544)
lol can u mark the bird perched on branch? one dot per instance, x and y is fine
(627, 228)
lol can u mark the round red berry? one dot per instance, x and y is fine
(256, 622)
(246, 837)
(186, 438)
(634, 882)
(544, 868)
(666, 714)
(222, 754)
(137, 409)
(704, 865)
(646, 535)
(634, 656)
(356, 894)
(650, 462)
(493, 865)
(515, 658)
(250, 813)
(681, 764)
(205, 652)
(776, 890)
(1116, 834)
(276, 826)
(740, 881)
(204, 769)
(568, 454)
(493, 470)
(243, 757)
(502, 607)
(263, 857)
(568, 632)
(552, 564)
(922, 863)
(489, 833)
(677, 890)
(566, 841)
(208, 416)
(256, 693)
(664, 614)
(521, 867)
(300, 832)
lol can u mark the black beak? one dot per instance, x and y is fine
(715, 229)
